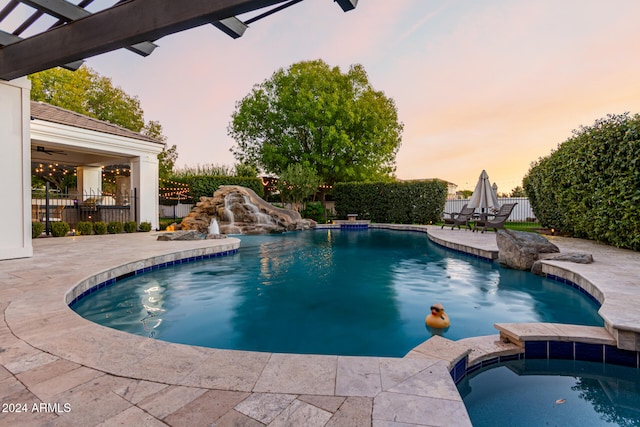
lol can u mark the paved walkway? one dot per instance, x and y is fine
(60, 369)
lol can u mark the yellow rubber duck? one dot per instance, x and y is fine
(438, 318)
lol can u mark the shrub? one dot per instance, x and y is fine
(114, 227)
(315, 211)
(84, 228)
(99, 227)
(145, 226)
(165, 222)
(60, 228)
(130, 226)
(36, 229)
(413, 202)
(590, 186)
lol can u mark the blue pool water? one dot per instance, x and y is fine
(364, 292)
(553, 393)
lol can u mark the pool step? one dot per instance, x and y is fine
(519, 333)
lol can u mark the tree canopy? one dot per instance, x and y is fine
(297, 182)
(313, 114)
(86, 92)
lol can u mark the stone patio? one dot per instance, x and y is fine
(60, 369)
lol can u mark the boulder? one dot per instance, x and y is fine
(239, 210)
(577, 257)
(181, 235)
(519, 249)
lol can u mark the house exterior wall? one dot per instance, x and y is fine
(15, 168)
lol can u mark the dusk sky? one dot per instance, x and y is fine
(479, 84)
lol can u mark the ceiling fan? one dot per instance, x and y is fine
(49, 151)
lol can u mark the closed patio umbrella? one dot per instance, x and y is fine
(483, 196)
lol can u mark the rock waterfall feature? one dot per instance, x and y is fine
(239, 210)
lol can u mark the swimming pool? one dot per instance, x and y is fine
(553, 392)
(363, 292)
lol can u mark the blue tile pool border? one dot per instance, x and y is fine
(575, 286)
(565, 350)
(344, 226)
(148, 269)
(480, 257)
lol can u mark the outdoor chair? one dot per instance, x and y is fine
(54, 213)
(496, 220)
(459, 218)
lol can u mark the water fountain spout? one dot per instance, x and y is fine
(213, 227)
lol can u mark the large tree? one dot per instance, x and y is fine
(87, 92)
(316, 115)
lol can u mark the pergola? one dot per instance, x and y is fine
(36, 35)
(76, 33)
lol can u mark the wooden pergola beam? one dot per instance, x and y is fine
(126, 24)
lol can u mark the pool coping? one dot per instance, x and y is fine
(41, 331)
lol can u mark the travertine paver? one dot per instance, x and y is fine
(299, 374)
(555, 332)
(355, 411)
(135, 391)
(358, 376)
(206, 409)
(229, 370)
(79, 373)
(265, 407)
(132, 416)
(300, 413)
(419, 410)
(328, 403)
(432, 382)
(396, 371)
(48, 390)
(170, 400)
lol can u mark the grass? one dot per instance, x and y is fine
(533, 227)
(165, 222)
(523, 226)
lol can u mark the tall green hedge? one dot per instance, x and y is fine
(413, 202)
(207, 185)
(590, 186)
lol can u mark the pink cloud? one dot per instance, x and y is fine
(478, 85)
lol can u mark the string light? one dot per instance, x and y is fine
(173, 190)
(180, 184)
(53, 169)
(170, 190)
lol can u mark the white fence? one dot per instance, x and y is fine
(522, 212)
(176, 211)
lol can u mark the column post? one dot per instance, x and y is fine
(144, 177)
(15, 168)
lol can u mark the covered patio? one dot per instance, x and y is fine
(88, 146)
(53, 135)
